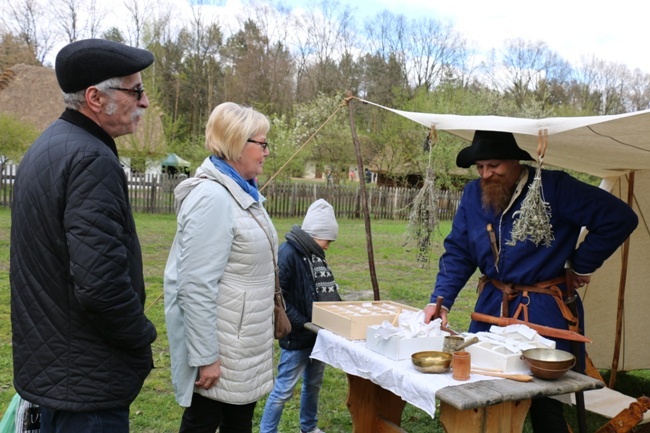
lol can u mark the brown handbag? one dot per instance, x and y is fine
(281, 323)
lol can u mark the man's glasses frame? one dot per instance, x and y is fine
(138, 90)
(264, 144)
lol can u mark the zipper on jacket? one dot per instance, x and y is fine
(241, 317)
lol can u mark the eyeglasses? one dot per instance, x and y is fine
(138, 90)
(264, 144)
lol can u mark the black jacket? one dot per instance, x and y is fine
(81, 340)
(299, 289)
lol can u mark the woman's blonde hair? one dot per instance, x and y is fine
(229, 126)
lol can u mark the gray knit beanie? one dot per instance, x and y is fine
(320, 222)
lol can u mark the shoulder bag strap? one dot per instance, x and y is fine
(275, 265)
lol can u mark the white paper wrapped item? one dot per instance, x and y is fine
(501, 348)
(410, 335)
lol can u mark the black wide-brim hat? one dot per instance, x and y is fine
(84, 63)
(491, 145)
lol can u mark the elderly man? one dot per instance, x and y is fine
(520, 278)
(81, 341)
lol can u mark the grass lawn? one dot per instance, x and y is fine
(399, 278)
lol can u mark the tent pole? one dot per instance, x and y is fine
(364, 202)
(620, 309)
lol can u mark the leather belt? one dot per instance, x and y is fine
(549, 287)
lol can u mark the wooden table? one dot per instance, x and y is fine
(501, 405)
(376, 402)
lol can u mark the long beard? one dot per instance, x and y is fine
(496, 194)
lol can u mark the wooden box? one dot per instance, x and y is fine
(350, 319)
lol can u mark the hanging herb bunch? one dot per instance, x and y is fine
(534, 218)
(423, 217)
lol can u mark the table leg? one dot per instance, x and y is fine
(373, 409)
(506, 417)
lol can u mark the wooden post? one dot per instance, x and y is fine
(621, 290)
(364, 200)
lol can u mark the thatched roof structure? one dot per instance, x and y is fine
(32, 95)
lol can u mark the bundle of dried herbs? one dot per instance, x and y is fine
(423, 219)
(534, 218)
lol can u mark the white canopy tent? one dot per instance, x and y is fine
(617, 149)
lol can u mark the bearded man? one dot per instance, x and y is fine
(519, 278)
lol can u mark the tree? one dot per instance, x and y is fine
(78, 19)
(530, 73)
(383, 79)
(286, 159)
(331, 148)
(199, 86)
(166, 88)
(114, 34)
(433, 48)
(276, 26)
(325, 35)
(613, 85)
(163, 79)
(386, 59)
(15, 138)
(257, 72)
(138, 11)
(14, 50)
(26, 20)
(386, 37)
(638, 90)
(603, 86)
(425, 51)
(395, 150)
(186, 76)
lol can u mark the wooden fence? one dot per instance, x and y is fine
(291, 200)
(152, 193)
(6, 184)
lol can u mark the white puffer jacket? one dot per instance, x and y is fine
(219, 284)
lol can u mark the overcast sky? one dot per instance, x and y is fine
(614, 31)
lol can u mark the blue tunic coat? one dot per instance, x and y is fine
(573, 204)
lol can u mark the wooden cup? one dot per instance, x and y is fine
(461, 365)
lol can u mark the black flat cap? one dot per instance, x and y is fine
(491, 145)
(90, 61)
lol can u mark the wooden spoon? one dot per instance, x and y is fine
(517, 377)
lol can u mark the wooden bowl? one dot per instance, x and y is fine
(431, 361)
(548, 364)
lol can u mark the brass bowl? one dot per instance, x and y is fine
(548, 364)
(431, 361)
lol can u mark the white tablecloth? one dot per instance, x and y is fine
(398, 377)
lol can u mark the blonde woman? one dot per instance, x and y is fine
(219, 279)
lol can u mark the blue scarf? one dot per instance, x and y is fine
(250, 186)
